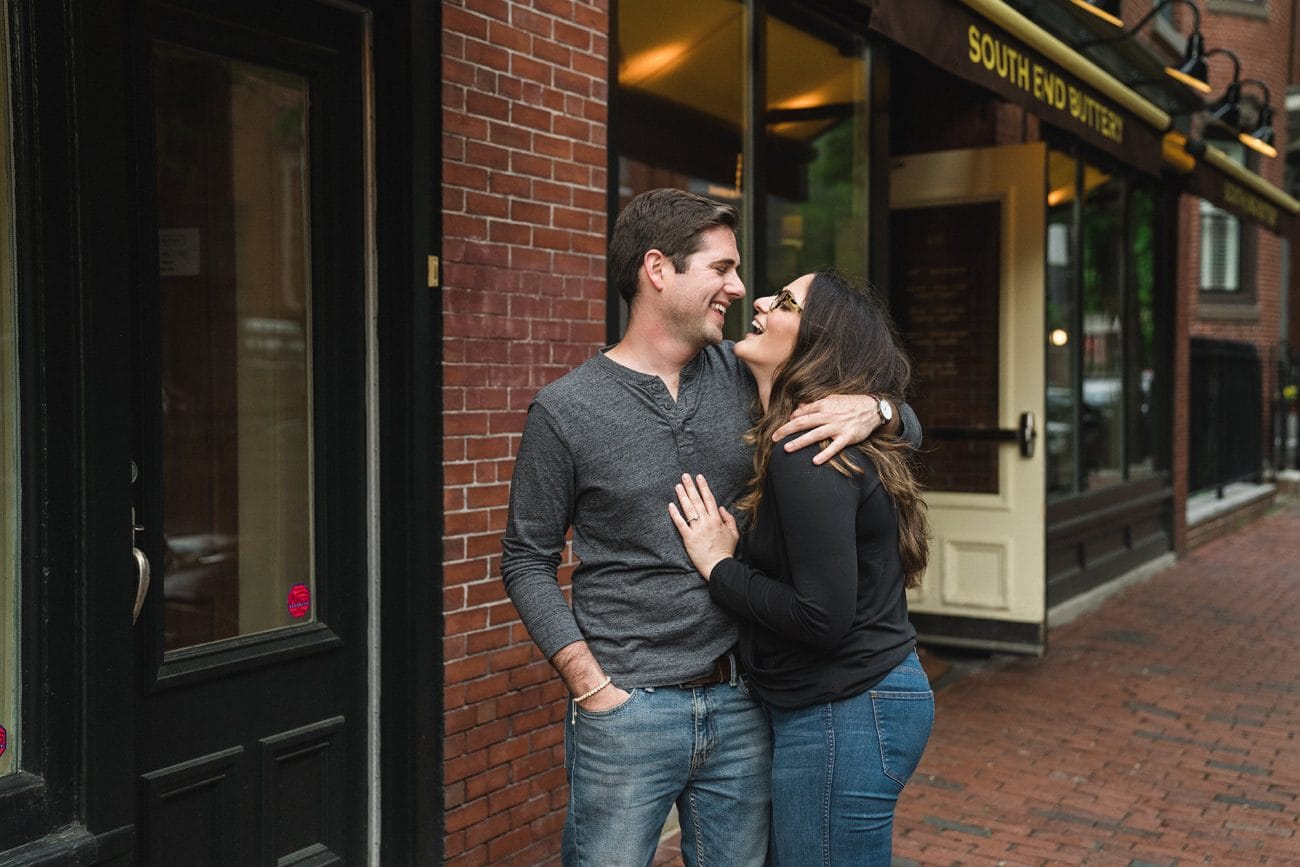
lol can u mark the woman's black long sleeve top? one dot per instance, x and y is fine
(819, 584)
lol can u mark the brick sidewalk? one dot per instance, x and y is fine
(1159, 729)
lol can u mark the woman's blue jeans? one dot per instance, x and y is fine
(708, 750)
(838, 768)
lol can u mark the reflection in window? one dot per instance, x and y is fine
(235, 338)
(9, 497)
(1105, 406)
(684, 81)
(1061, 330)
(1101, 414)
(816, 151)
(1140, 351)
(681, 104)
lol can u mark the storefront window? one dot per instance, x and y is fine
(1140, 349)
(1103, 335)
(685, 79)
(681, 91)
(681, 103)
(816, 152)
(1061, 314)
(9, 497)
(1104, 401)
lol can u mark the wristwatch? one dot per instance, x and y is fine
(886, 410)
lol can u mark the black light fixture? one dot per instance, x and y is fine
(1227, 108)
(1261, 137)
(1192, 70)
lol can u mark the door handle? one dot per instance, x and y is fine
(141, 582)
(1028, 434)
(1025, 434)
(142, 569)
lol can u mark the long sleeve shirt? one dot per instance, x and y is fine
(819, 586)
(602, 449)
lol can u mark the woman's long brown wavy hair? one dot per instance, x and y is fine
(846, 344)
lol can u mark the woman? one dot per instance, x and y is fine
(820, 584)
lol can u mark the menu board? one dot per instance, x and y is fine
(945, 278)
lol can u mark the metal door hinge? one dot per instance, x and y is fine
(433, 272)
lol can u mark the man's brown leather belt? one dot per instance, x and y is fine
(720, 673)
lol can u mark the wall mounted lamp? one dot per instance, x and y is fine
(1227, 108)
(1261, 137)
(1192, 70)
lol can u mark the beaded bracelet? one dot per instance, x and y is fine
(589, 693)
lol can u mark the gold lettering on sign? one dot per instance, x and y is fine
(1249, 203)
(1043, 83)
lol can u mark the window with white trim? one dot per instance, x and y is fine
(1227, 246)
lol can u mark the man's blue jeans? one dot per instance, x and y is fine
(839, 767)
(708, 749)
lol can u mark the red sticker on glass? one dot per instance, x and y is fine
(4, 740)
(299, 600)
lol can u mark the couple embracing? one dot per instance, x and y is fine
(738, 642)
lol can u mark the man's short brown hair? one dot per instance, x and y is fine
(668, 220)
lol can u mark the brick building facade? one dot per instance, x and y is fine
(1263, 37)
(301, 266)
(524, 196)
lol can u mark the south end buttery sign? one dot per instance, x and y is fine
(1044, 83)
(954, 38)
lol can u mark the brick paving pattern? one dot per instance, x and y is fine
(1159, 729)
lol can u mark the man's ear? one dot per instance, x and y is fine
(653, 265)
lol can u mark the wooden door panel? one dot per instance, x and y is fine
(187, 811)
(972, 227)
(251, 359)
(302, 778)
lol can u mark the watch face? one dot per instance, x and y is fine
(886, 410)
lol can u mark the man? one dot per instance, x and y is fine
(659, 714)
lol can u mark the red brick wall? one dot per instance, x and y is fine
(1264, 48)
(524, 183)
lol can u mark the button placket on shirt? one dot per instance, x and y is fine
(683, 411)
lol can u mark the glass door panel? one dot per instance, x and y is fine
(235, 346)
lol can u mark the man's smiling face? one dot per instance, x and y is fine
(696, 299)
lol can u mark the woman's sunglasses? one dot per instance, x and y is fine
(785, 300)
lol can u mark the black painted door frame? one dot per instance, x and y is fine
(78, 202)
(253, 749)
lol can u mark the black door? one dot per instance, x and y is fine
(249, 427)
